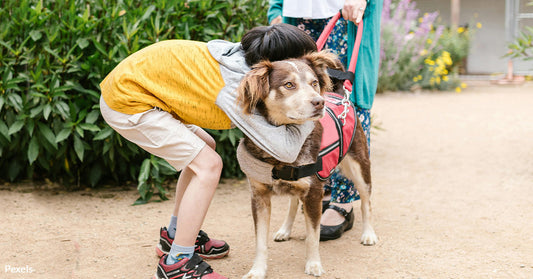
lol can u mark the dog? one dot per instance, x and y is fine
(292, 92)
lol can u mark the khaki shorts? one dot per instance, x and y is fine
(157, 132)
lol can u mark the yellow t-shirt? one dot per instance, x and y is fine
(178, 76)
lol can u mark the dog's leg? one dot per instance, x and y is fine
(313, 213)
(284, 232)
(261, 208)
(352, 170)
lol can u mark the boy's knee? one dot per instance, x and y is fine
(208, 163)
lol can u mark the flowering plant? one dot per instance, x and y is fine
(417, 52)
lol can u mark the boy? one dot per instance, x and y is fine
(161, 96)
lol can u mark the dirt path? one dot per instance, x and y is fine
(453, 198)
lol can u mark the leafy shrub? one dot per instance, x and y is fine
(53, 56)
(417, 52)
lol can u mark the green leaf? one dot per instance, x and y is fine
(4, 131)
(48, 134)
(148, 12)
(47, 110)
(33, 150)
(17, 125)
(82, 42)
(140, 201)
(35, 35)
(92, 116)
(79, 148)
(89, 127)
(63, 135)
(144, 171)
(104, 133)
(16, 101)
(35, 111)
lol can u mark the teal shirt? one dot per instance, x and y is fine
(366, 71)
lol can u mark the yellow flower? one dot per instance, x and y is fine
(429, 62)
(415, 79)
(423, 52)
(458, 89)
(429, 41)
(463, 85)
(420, 20)
(460, 30)
(447, 58)
(479, 25)
(437, 80)
(445, 78)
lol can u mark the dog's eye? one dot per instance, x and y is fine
(289, 85)
(314, 83)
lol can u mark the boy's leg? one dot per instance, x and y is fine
(186, 174)
(205, 172)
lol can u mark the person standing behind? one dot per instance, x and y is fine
(312, 16)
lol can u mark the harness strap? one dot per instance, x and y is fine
(290, 173)
(341, 75)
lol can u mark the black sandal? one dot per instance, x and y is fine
(334, 232)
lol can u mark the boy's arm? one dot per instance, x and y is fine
(281, 142)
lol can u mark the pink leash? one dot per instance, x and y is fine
(355, 52)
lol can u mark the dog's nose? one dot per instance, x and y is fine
(318, 102)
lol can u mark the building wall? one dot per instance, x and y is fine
(489, 44)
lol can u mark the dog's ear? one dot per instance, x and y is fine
(320, 61)
(254, 86)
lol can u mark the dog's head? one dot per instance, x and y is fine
(288, 91)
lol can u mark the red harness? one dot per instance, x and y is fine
(339, 123)
(339, 131)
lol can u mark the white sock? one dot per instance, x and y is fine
(172, 227)
(177, 253)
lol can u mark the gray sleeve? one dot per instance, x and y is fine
(281, 142)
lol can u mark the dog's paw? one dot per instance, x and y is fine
(282, 235)
(369, 238)
(314, 268)
(254, 274)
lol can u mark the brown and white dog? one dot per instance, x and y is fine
(291, 92)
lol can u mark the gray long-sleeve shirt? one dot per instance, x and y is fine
(282, 142)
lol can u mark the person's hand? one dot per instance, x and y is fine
(276, 20)
(353, 10)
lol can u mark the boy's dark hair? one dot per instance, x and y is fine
(276, 42)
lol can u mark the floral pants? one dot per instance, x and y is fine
(341, 188)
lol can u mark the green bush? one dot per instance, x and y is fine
(54, 54)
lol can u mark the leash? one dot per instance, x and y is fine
(350, 74)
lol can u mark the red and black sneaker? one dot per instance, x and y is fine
(193, 268)
(205, 247)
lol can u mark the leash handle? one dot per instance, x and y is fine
(355, 52)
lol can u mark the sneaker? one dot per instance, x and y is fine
(205, 247)
(193, 268)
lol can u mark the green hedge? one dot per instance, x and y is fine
(53, 55)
